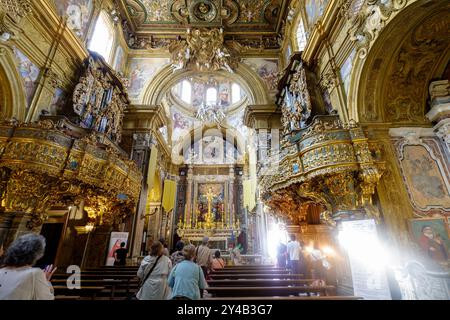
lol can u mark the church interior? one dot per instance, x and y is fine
(244, 121)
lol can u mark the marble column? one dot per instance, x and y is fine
(142, 143)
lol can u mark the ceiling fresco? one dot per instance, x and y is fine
(256, 23)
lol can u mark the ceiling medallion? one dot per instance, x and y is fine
(203, 50)
(203, 11)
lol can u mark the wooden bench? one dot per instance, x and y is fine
(268, 291)
(235, 276)
(259, 282)
(84, 291)
(113, 287)
(250, 271)
(288, 298)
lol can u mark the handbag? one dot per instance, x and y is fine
(141, 284)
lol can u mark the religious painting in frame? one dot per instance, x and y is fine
(213, 194)
(433, 238)
(424, 177)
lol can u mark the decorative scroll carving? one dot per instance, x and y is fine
(15, 9)
(369, 19)
(203, 50)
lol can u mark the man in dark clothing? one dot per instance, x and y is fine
(120, 255)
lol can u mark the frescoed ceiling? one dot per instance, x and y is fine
(253, 23)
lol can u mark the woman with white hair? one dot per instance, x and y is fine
(18, 279)
(187, 279)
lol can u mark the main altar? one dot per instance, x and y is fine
(212, 208)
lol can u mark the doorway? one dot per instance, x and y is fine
(52, 233)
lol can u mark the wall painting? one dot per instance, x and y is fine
(78, 13)
(142, 72)
(425, 180)
(432, 237)
(29, 73)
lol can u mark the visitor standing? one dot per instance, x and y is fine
(293, 250)
(204, 257)
(186, 279)
(153, 273)
(120, 255)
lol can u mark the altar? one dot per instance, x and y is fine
(211, 213)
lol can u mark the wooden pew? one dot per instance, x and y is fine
(252, 266)
(250, 271)
(259, 282)
(84, 291)
(268, 291)
(287, 298)
(113, 287)
(235, 276)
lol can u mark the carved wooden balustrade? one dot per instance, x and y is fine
(41, 165)
(72, 156)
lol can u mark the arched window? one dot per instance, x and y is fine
(103, 37)
(235, 93)
(301, 36)
(211, 96)
(186, 91)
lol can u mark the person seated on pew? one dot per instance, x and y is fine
(186, 279)
(18, 279)
(153, 272)
(217, 262)
(177, 256)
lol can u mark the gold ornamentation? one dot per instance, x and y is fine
(369, 20)
(335, 168)
(203, 50)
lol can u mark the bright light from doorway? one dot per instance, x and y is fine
(276, 234)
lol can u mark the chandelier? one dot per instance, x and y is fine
(210, 114)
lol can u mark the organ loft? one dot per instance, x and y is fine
(305, 145)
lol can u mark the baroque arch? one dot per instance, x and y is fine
(244, 76)
(390, 84)
(12, 94)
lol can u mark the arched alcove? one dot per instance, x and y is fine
(390, 85)
(13, 101)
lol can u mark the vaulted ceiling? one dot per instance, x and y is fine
(253, 23)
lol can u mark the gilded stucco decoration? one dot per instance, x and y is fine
(368, 18)
(42, 165)
(15, 10)
(329, 163)
(255, 24)
(203, 50)
(393, 86)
